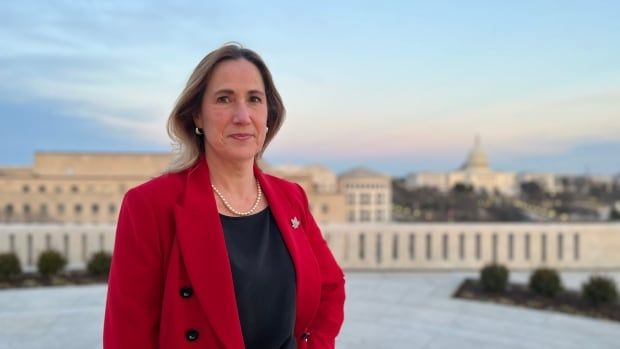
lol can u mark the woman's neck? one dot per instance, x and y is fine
(233, 179)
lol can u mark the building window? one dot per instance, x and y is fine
(429, 249)
(101, 242)
(325, 208)
(58, 189)
(112, 209)
(74, 189)
(350, 199)
(95, 208)
(26, 188)
(462, 246)
(364, 216)
(365, 199)
(8, 211)
(41, 189)
(351, 216)
(494, 248)
(379, 217)
(378, 248)
(78, 208)
(478, 246)
(48, 241)
(61, 208)
(543, 247)
(379, 198)
(26, 209)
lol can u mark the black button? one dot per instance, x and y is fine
(186, 292)
(305, 336)
(191, 335)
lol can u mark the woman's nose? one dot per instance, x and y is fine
(241, 113)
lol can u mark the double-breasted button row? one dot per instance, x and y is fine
(186, 292)
(305, 336)
(191, 334)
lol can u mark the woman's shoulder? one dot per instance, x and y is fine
(282, 183)
(164, 187)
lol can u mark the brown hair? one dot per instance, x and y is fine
(188, 145)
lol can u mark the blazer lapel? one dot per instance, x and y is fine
(203, 248)
(308, 279)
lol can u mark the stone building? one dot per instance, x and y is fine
(475, 171)
(368, 195)
(321, 185)
(74, 187)
(88, 187)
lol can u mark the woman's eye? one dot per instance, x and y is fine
(256, 99)
(223, 99)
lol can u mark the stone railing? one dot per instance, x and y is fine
(453, 246)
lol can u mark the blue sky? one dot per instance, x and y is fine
(396, 86)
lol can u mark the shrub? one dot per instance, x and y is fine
(9, 266)
(494, 278)
(545, 282)
(50, 263)
(600, 290)
(99, 264)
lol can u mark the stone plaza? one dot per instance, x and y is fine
(383, 310)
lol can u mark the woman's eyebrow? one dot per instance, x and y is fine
(224, 91)
(256, 92)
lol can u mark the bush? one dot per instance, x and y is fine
(99, 264)
(494, 278)
(9, 266)
(50, 263)
(600, 290)
(545, 282)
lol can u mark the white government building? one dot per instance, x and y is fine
(69, 202)
(474, 171)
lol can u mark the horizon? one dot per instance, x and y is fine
(341, 170)
(399, 88)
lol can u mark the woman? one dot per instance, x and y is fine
(215, 253)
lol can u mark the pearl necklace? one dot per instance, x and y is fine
(238, 213)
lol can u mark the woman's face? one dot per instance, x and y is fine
(233, 114)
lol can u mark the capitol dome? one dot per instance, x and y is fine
(477, 159)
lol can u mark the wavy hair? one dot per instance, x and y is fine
(189, 146)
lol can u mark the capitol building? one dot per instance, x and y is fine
(474, 171)
(70, 202)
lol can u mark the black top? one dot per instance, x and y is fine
(264, 279)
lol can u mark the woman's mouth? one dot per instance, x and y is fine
(241, 136)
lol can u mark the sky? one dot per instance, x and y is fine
(396, 86)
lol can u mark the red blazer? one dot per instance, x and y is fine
(170, 279)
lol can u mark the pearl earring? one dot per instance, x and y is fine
(198, 131)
